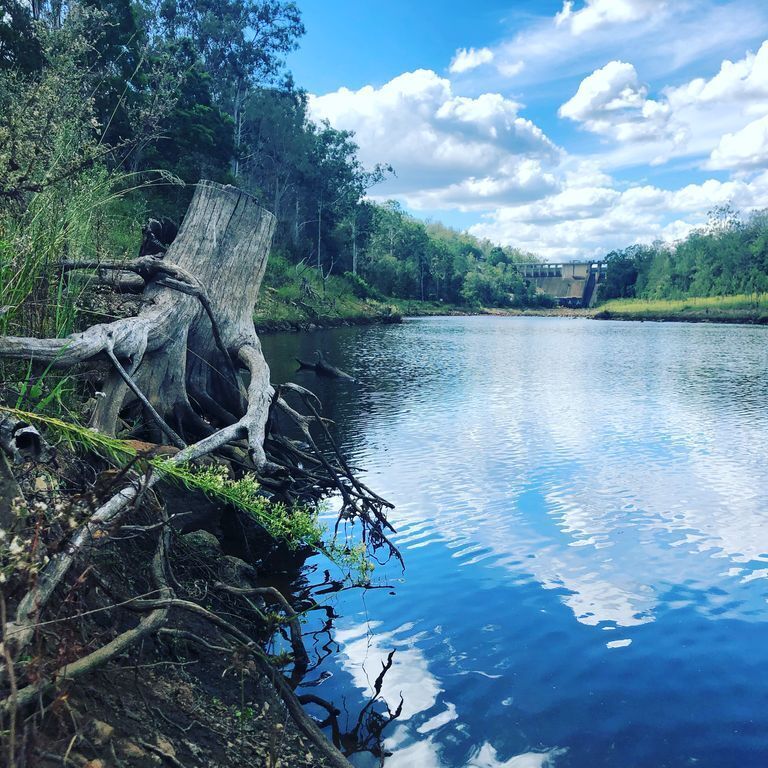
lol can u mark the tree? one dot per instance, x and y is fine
(723, 218)
(241, 44)
(621, 276)
(49, 131)
(335, 181)
(277, 145)
(195, 137)
(19, 47)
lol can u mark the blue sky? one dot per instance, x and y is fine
(567, 129)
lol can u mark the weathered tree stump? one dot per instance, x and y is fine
(186, 370)
(178, 363)
(177, 360)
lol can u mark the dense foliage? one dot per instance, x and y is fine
(406, 258)
(727, 257)
(110, 109)
(148, 97)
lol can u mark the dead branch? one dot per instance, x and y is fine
(300, 657)
(24, 697)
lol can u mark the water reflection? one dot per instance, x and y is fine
(364, 651)
(581, 510)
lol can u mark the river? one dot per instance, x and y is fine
(582, 508)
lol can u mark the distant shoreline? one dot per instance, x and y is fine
(727, 310)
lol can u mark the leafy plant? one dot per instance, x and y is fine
(296, 526)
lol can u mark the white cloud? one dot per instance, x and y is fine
(744, 79)
(662, 36)
(511, 68)
(588, 221)
(600, 13)
(469, 58)
(745, 149)
(516, 182)
(713, 119)
(565, 14)
(447, 150)
(613, 87)
(612, 102)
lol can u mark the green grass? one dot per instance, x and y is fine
(295, 297)
(86, 219)
(737, 308)
(296, 526)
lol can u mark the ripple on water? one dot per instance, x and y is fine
(595, 493)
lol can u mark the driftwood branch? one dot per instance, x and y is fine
(323, 368)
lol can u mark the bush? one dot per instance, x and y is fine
(280, 272)
(543, 300)
(361, 288)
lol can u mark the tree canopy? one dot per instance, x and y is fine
(727, 256)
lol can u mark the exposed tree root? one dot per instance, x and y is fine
(300, 657)
(186, 370)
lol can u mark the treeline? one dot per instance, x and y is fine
(728, 256)
(398, 255)
(111, 109)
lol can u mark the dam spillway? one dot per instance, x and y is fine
(571, 283)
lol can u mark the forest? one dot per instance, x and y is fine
(110, 110)
(728, 256)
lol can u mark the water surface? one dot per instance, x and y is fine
(582, 510)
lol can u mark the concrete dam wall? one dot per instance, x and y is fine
(573, 284)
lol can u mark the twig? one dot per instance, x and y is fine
(300, 657)
(161, 752)
(14, 689)
(194, 639)
(175, 439)
(97, 658)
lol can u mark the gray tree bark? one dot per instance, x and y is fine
(178, 359)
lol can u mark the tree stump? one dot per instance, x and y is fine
(177, 361)
(190, 364)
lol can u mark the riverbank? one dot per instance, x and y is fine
(274, 315)
(712, 309)
(195, 682)
(285, 311)
(295, 305)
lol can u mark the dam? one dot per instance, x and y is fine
(571, 283)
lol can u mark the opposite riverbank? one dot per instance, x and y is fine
(290, 309)
(751, 309)
(278, 312)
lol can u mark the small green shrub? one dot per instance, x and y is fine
(361, 288)
(295, 526)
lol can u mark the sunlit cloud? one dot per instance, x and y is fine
(597, 14)
(468, 143)
(448, 151)
(469, 58)
(745, 149)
